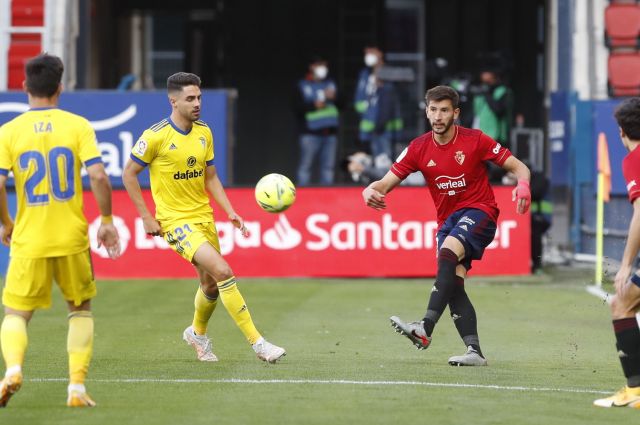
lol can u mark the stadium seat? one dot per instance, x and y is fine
(622, 25)
(624, 74)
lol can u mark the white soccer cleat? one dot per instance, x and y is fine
(412, 330)
(201, 343)
(267, 351)
(470, 358)
(625, 397)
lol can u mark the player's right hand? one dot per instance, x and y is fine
(5, 233)
(108, 236)
(621, 278)
(151, 226)
(374, 199)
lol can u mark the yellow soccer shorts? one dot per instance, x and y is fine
(186, 238)
(28, 283)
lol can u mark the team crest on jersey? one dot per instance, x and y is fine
(141, 147)
(191, 161)
(203, 142)
(459, 157)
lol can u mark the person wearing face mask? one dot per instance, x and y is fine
(493, 107)
(318, 118)
(376, 101)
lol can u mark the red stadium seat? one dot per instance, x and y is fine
(624, 74)
(622, 25)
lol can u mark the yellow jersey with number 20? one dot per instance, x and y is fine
(177, 163)
(45, 149)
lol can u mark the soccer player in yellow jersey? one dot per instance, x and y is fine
(45, 149)
(179, 154)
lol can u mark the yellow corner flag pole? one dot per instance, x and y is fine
(599, 229)
(604, 190)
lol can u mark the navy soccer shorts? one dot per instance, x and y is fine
(473, 228)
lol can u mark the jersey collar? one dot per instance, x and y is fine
(44, 108)
(176, 128)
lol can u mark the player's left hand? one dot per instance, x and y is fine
(5, 233)
(522, 195)
(239, 223)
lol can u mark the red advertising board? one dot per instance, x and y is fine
(327, 232)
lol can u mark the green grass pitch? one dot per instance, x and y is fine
(549, 344)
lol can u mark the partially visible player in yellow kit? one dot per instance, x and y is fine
(179, 154)
(45, 148)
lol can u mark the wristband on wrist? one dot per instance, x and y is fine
(636, 280)
(106, 219)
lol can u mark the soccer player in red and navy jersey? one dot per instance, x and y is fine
(452, 160)
(626, 302)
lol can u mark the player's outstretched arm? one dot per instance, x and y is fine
(101, 188)
(131, 183)
(5, 218)
(522, 193)
(631, 248)
(375, 193)
(215, 188)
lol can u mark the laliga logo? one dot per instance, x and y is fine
(123, 232)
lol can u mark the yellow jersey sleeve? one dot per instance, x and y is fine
(5, 153)
(146, 148)
(210, 154)
(88, 151)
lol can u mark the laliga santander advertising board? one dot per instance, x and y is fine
(328, 232)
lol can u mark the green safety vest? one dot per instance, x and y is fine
(487, 121)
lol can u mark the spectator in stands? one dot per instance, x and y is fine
(377, 103)
(318, 117)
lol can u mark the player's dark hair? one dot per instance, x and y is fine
(43, 75)
(439, 93)
(628, 117)
(180, 80)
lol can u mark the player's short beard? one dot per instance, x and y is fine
(447, 126)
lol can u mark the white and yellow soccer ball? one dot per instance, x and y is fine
(275, 193)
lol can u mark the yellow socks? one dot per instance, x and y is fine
(13, 338)
(79, 345)
(204, 309)
(235, 305)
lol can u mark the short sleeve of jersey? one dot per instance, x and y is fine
(210, 153)
(631, 173)
(406, 163)
(490, 150)
(5, 153)
(145, 149)
(88, 151)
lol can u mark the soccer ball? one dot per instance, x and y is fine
(275, 193)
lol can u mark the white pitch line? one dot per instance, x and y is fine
(331, 382)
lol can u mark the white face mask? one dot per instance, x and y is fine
(370, 59)
(320, 72)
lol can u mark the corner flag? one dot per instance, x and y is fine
(604, 191)
(604, 166)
